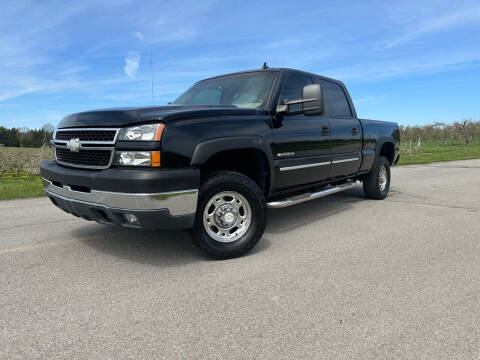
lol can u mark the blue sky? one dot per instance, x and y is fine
(413, 62)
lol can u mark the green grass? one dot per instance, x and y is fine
(435, 151)
(17, 185)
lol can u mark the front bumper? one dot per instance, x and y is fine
(161, 199)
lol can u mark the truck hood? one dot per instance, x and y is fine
(129, 116)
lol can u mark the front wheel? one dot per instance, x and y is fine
(377, 183)
(230, 217)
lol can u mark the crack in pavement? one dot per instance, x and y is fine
(48, 244)
(42, 223)
(434, 204)
(393, 198)
(445, 166)
(411, 202)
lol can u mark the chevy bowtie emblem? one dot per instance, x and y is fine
(73, 145)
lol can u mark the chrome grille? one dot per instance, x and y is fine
(94, 147)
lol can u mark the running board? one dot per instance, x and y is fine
(309, 196)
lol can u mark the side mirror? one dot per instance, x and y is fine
(311, 102)
(312, 99)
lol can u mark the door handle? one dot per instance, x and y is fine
(325, 131)
(354, 131)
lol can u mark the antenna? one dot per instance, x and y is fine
(151, 71)
(264, 67)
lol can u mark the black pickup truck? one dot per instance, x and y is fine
(218, 156)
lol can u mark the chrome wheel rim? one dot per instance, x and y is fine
(227, 216)
(382, 178)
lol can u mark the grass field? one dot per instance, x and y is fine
(434, 151)
(19, 170)
(23, 160)
(19, 167)
(15, 185)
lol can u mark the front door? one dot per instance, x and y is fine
(301, 143)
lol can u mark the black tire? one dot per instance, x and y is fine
(371, 183)
(221, 181)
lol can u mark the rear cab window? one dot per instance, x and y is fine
(335, 101)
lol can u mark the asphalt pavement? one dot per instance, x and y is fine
(340, 277)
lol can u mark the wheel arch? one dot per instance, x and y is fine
(215, 155)
(386, 147)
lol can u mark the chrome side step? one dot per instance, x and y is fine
(309, 196)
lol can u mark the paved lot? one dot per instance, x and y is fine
(337, 278)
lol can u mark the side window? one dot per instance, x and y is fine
(292, 89)
(334, 101)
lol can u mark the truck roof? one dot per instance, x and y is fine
(282, 70)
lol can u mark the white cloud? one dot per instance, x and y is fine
(460, 18)
(131, 64)
(139, 36)
(437, 61)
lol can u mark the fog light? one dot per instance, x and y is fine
(132, 219)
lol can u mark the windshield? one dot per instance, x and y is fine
(248, 91)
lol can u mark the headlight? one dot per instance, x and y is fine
(137, 158)
(148, 132)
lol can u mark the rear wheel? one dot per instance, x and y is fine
(377, 183)
(230, 217)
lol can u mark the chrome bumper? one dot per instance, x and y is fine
(176, 202)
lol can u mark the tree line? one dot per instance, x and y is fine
(466, 130)
(24, 137)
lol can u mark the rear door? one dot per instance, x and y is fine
(346, 132)
(301, 143)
